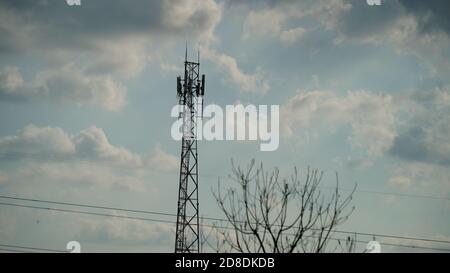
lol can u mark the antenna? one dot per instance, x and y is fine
(185, 54)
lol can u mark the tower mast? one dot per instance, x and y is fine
(190, 91)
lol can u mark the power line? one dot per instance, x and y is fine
(32, 248)
(214, 226)
(203, 225)
(86, 212)
(399, 245)
(3, 250)
(60, 158)
(412, 246)
(86, 206)
(28, 249)
(389, 193)
(208, 218)
(394, 236)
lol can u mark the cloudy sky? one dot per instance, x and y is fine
(86, 93)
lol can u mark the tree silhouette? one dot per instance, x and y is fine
(269, 214)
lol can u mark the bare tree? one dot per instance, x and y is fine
(272, 215)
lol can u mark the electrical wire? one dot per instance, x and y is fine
(204, 217)
(203, 225)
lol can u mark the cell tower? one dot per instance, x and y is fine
(190, 91)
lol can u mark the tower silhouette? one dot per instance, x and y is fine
(190, 91)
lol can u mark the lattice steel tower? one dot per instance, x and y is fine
(190, 91)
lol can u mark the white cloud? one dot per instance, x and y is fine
(69, 84)
(261, 23)
(423, 178)
(199, 17)
(273, 21)
(92, 144)
(124, 58)
(66, 84)
(291, 36)
(246, 82)
(126, 231)
(73, 176)
(161, 160)
(370, 116)
(10, 80)
(354, 162)
(86, 159)
(171, 68)
(400, 181)
(35, 140)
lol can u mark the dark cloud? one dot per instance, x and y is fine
(410, 145)
(258, 3)
(362, 19)
(425, 139)
(54, 23)
(92, 16)
(432, 15)
(86, 52)
(414, 145)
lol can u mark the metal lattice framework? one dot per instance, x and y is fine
(190, 91)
